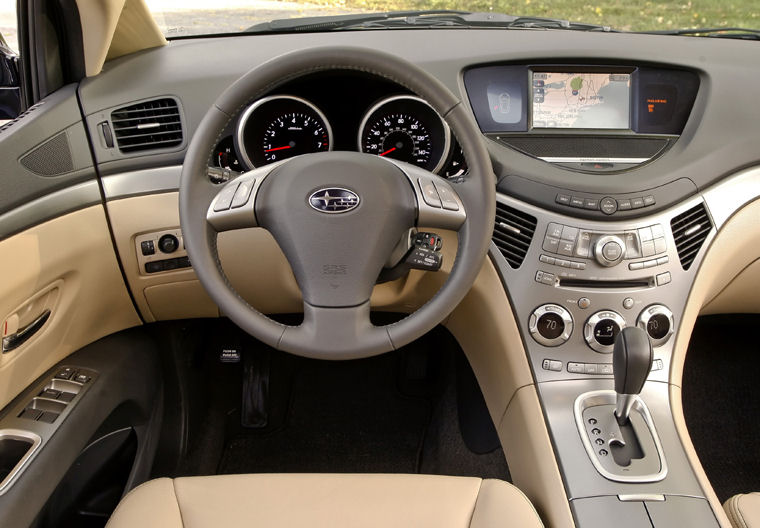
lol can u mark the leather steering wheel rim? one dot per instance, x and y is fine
(330, 332)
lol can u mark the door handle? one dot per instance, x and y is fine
(22, 335)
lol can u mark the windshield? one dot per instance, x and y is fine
(195, 17)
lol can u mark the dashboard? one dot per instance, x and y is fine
(607, 208)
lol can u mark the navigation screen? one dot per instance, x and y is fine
(581, 100)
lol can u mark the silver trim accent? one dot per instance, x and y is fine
(569, 159)
(640, 497)
(551, 308)
(242, 216)
(326, 197)
(647, 314)
(18, 434)
(588, 330)
(427, 215)
(728, 196)
(49, 206)
(243, 121)
(607, 397)
(380, 104)
(147, 181)
(623, 404)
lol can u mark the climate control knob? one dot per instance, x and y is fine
(550, 325)
(657, 322)
(609, 250)
(601, 330)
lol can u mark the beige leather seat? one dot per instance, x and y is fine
(316, 500)
(744, 510)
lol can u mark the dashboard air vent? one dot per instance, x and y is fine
(690, 229)
(512, 233)
(148, 125)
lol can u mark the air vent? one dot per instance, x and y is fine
(690, 229)
(512, 233)
(148, 125)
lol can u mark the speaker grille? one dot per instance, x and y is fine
(51, 158)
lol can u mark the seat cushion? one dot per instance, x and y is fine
(744, 510)
(315, 500)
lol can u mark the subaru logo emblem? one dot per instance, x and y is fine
(334, 200)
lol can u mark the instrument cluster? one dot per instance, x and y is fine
(284, 125)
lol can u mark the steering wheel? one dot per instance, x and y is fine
(337, 216)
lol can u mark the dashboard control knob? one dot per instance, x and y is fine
(601, 330)
(609, 250)
(657, 321)
(168, 244)
(550, 325)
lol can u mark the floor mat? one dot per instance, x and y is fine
(342, 417)
(721, 401)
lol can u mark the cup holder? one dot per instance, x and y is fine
(16, 447)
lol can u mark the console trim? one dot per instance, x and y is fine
(608, 397)
(20, 466)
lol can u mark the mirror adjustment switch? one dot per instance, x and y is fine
(147, 247)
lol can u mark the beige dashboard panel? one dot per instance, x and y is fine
(742, 295)
(65, 265)
(734, 250)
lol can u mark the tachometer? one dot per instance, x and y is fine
(405, 128)
(279, 127)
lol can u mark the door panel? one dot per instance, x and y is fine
(56, 252)
(71, 260)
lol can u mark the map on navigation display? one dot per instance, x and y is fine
(581, 100)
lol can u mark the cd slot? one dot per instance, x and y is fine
(585, 283)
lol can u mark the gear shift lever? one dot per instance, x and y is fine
(631, 363)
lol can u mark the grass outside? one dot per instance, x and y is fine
(627, 15)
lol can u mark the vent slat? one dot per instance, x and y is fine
(513, 233)
(690, 230)
(148, 125)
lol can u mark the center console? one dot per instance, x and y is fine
(574, 284)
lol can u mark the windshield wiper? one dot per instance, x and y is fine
(729, 33)
(416, 19)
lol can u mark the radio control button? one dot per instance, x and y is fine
(634, 266)
(647, 249)
(554, 230)
(569, 233)
(608, 205)
(637, 203)
(551, 244)
(563, 199)
(624, 205)
(660, 246)
(591, 203)
(609, 250)
(663, 278)
(575, 201)
(566, 247)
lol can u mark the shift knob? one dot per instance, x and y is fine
(631, 363)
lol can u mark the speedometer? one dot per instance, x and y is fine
(405, 128)
(279, 127)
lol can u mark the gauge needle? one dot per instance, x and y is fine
(388, 151)
(278, 148)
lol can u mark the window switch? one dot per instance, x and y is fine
(66, 396)
(82, 378)
(50, 393)
(48, 417)
(65, 373)
(30, 414)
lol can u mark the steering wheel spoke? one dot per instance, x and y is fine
(233, 205)
(438, 204)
